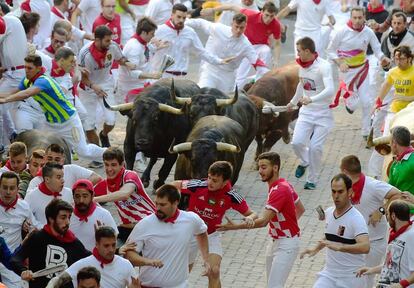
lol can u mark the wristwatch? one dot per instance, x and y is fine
(382, 210)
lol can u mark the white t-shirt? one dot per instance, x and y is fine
(310, 15)
(71, 174)
(169, 243)
(344, 230)
(90, 10)
(159, 11)
(399, 259)
(38, 201)
(116, 274)
(13, 37)
(82, 229)
(226, 17)
(42, 7)
(372, 198)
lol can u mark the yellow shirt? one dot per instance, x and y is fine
(403, 82)
(213, 4)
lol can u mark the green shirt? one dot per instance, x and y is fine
(402, 174)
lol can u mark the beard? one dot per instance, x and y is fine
(59, 230)
(160, 215)
(267, 177)
(83, 208)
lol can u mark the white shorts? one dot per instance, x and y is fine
(214, 246)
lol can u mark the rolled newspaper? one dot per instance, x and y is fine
(167, 61)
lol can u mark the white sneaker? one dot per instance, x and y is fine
(140, 165)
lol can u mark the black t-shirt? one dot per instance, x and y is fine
(379, 18)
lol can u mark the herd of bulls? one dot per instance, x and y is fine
(176, 119)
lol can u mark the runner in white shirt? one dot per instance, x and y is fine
(51, 188)
(116, 272)
(182, 40)
(225, 42)
(87, 216)
(159, 10)
(41, 7)
(398, 268)
(226, 17)
(164, 240)
(346, 239)
(369, 196)
(88, 10)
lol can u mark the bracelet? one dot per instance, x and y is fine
(404, 283)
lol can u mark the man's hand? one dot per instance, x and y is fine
(306, 100)
(364, 271)
(343, 67)
(27, 225)
(159, 44)
(206, 269)
(154, 263)
(385, 62)
(27, 275)
(249, 222)
(207, 12)
(130, 66)
(134, 283)
(375, 218)
(98, 224)
(2, 100)
(227, 60)
(331, 245)
(127, 247)
(290, 107)
(230, 225)
(99, 91)
(310, 252)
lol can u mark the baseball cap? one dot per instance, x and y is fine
(83, 183)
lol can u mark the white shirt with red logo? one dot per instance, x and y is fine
(281, 199)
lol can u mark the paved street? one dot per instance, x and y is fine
(244, 251)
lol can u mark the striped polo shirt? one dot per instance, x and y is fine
(52, 100)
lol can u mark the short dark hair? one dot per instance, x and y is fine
(404, 50)
(269, 7)
(63, 53)
(239, 18)
(37, 154)
(113, 153)
(4, 8)
(401, 135)
(55, 148)
(102, 31)
(104, 232)
(221, 168)
(401, 209)
(271, 156)
(60, 31)
(357, 9)
(35, 59)
(29, 20)
(179, 7)
(352, 164)
(343, 177)
(55, 206)
(169, 191)
(307, 43)
(10, 175)
(88, 272)
(145, 24)
(47, 170)
(400, 14)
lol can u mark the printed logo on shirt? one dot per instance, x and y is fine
(109, 56)
(206, 212)
(341, 230)
(201, 198)
(308, 84)
(221, 203)
(212, 202)
(392, 266)
(55, 255)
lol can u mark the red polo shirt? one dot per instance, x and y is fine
(256, 31)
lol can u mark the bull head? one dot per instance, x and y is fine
(120, 107)
(225, 102)
(178, 100)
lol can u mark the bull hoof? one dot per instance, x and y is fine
(286, 138)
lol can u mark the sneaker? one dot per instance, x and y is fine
(349, 110)
(140, 165)
(104, 140)
(300, 170)
(283, 35)
(309, 186)
(95, 164)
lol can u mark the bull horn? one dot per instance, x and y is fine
(225, 102)
(170, 109)
(120, 107)
(182, 147)
(381, 140)
(226, 147)
(178, 100)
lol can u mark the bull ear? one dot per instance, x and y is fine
(232, 100)
(226, 147)
(175, 98)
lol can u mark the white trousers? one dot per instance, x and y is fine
(374, 258)
(280, 256)
(9, 278)
(326, 280)
(214, 77)
(311, 131)
(28, 118)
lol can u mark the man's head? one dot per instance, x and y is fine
(103, 37)
(219, 173)
(247, 3)
(58, 214)
(146, 29)
(55, 153)
(341, 187)
(375, 3)
(397, 212)
(66, 25)
(269, 11)
(306, 49)
(83, 195)
(62, 4)
(400, 139)
(65, 58)
(105, 238)
(166, 201)
(59, 38)
(108, 9)
(403, 57)
(32, 65)
(18, 156)
(269, 165)
(350, 166)
(357, 17)
(238, 25)
(53, 176)
(113, 159)
(88, 277)
(30, 22)
(9, 186)
(399, 22)
(178, 16)
(36, 161)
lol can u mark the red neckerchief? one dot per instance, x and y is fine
(46, 191)
(98, 55)
(100, 259)
(2, 26)
(8, 165)
(171, 25)
(56, 70)
(115, 183)
(41, 72)
(39, 172)
(50, 49)
(57, 13)
(394, 234)
(349, 23)
(144, 43)
(308, 63)
(68, 237)
(357, 187)
(375, 10)
(173, 218)
(9, 206)
(317, 1)
(407, 151)
(25, 6)
(84, 217)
